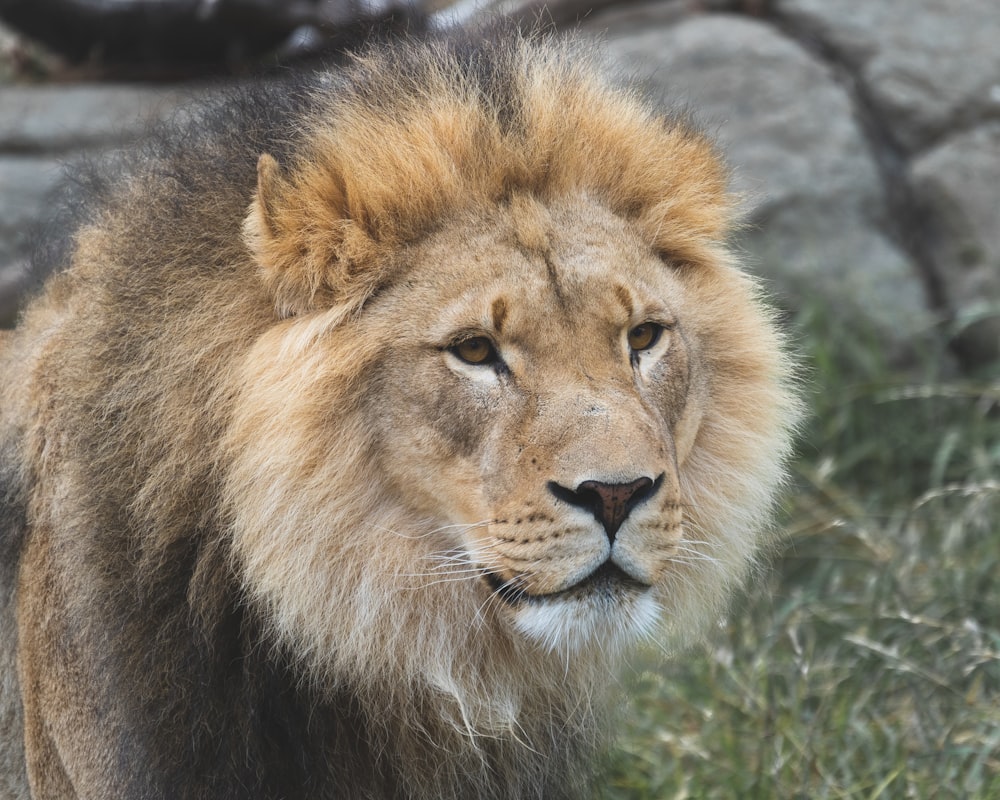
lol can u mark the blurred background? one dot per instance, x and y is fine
(864, 137)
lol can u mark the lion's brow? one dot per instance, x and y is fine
(499, 309)
(625, 298)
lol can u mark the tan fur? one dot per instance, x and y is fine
(307, 418)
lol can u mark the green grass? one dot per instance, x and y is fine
(867, 665)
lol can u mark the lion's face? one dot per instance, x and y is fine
(543, 389)
(541, 423)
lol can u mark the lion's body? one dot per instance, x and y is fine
(269, 529)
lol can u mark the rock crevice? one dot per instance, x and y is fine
(908, 219)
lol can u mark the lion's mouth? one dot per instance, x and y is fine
(608, 580)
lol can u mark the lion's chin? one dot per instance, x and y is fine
(571, 625)
(607, 610)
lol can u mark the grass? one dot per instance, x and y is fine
(867, 665)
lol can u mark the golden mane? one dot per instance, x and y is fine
(419, 140)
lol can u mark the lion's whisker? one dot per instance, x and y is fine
(693, 560)
(466, 526)
(705, 542)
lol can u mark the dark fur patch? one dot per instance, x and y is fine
(499, 312)
(13, 523)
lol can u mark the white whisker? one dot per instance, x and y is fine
(465, 526)
(704, 542)
(695, 554)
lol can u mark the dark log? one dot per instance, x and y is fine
(194, 36)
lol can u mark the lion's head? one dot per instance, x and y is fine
(523, 406)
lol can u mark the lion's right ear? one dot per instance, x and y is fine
(270, 186)
(310, 253)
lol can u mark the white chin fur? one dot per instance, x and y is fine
(572, 624)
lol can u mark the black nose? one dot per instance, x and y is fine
(610, 503)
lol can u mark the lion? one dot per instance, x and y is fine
(368, 421)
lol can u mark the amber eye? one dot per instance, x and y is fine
(644, 336)
(477, 350)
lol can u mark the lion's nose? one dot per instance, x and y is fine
(611, 503)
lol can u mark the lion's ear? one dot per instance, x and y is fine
(270, 186)
(310, 253)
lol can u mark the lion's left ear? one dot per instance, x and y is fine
(311, 254)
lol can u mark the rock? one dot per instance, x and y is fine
(65, 118)
(24, 184)
(618, 20)
(42, 126)
(814, 201)
(957, 183)
(929, 66)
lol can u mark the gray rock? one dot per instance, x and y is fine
(617, 20)
(65, 118)
(24, 184)
(40, 126)
(957, 183)
(813, 197)
(929, 66)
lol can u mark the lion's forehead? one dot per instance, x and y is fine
(590, 271)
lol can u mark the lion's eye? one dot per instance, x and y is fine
(477, 350)
(642, 337)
